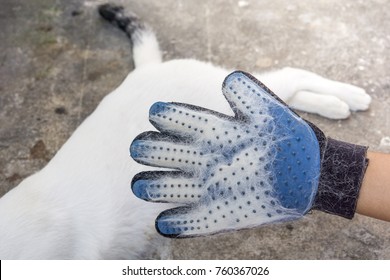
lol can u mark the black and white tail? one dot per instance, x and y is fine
(145, 45)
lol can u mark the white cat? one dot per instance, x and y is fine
(80, 206)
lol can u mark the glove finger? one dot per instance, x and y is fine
(170, 186)
(160, 150)
(248, 97)
(206, 219)
(187, 121)
(166, 154)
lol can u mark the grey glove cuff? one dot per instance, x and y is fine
(342, 171)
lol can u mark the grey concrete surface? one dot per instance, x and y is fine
(58, 59)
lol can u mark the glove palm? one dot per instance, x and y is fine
(260, 166)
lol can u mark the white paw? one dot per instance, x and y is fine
(356, 98)
(324, 105)
(334, 108)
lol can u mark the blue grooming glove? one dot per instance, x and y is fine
(263, 165)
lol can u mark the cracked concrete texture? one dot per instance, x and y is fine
(58, 60)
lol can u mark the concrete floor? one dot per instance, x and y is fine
(58, 59)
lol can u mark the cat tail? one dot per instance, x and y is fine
(146, 49)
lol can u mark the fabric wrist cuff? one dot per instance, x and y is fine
(342, 171)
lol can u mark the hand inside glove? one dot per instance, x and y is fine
(264, 165)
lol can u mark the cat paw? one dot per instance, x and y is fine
(328, 106)
(337, 110)
(357, 99)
